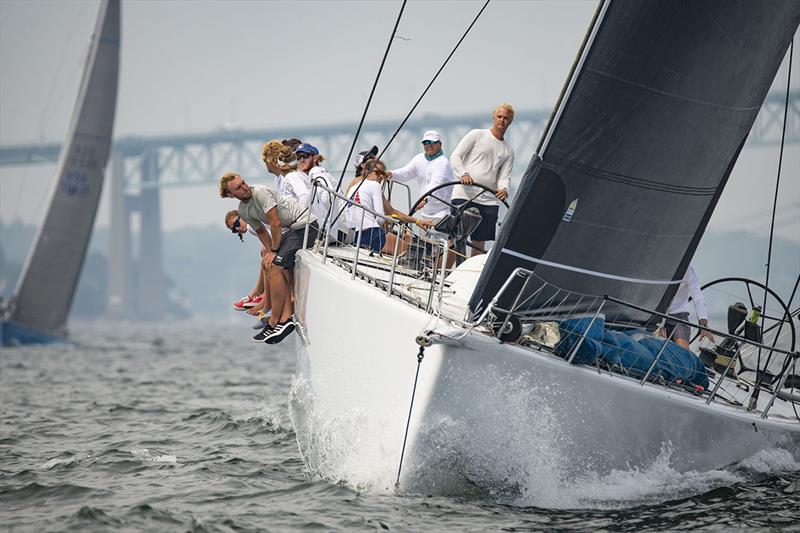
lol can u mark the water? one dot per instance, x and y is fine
(187, 427)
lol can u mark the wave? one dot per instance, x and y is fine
(154, 456)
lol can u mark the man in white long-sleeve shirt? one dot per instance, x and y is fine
(483, 156)
(679, 308)
(430, 169)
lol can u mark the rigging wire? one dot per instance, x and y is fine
(372, 92)
(453, 51)
(420, 357)
(50, 102)
(414, 107)
(775, 201)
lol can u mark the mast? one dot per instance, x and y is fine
(46, 286)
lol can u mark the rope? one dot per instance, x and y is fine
(361, 123)
(420, 357)
(775, 203)
(414, 107)
(372, 92)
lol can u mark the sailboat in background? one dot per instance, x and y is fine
(38, 309)
(609, 214)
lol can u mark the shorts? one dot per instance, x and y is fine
(373, 238)
(682, 331)
(486, 230)
(291, 242)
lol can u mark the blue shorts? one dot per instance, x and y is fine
(374, 238)
(486, 229)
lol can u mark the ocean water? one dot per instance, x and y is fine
(187, 427)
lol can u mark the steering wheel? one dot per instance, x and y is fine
(772, 320)
(457, 207)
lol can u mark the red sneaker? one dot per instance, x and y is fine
(246, 303)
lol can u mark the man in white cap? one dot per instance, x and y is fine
(484, 156)
(430, 169)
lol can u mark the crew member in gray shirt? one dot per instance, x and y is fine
(286, 219)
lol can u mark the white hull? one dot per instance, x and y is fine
(487, 415)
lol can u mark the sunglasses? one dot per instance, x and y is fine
(302, 155)
(236, 224)
(378, 171)
(428, 143)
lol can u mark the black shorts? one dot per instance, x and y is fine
(488, 226)
(291, 241)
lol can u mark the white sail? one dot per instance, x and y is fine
(43, 295)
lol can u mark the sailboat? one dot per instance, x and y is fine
(38, 308)
(490, 375)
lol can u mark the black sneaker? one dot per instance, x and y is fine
(266, 331)
(280, 331)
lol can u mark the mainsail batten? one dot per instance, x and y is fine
(641, 147)
(46, 286)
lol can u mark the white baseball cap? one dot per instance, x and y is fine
(432, 135)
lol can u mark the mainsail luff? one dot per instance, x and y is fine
(46, 286)
(641, 147)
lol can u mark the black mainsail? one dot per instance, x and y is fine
(46, 286)
(640, 148)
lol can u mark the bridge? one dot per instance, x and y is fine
(140, 166)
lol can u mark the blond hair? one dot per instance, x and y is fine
(228, 216)
(508, 107)
(280, 154)
(223, 184)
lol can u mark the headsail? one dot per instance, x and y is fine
(641, 147)
(46, 286)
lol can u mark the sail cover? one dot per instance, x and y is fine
(47, 284)
(639, 150)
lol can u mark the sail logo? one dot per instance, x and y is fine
(76, 180)
(570, 210)
(75, 183)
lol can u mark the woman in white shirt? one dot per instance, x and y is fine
(365, 190)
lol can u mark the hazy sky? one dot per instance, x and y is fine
(195, 66)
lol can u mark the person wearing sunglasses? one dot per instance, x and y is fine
(296, 184)
(279, 222)
(311, 171)
(429, 169)
(366, 190)
(256, 303)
